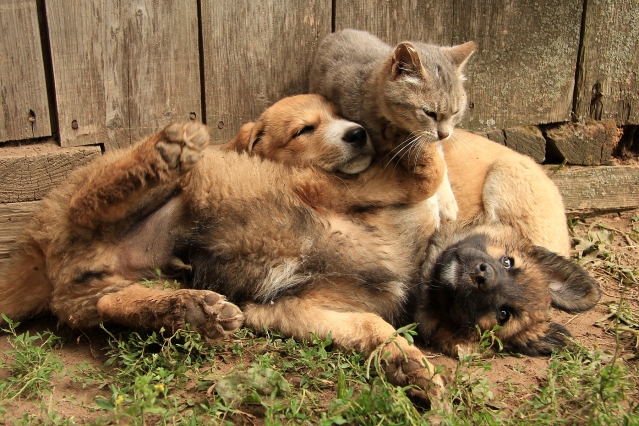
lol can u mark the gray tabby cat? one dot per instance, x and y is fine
(404, 96)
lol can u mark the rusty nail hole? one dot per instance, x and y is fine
(74, 125)
(220, 125)
(32, 117)
(471, 105)
(192, 116)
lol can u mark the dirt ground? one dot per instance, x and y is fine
(612, 241)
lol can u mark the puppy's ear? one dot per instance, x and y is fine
(556, 337)
(406, 61)
(571, 288)
(243, 141)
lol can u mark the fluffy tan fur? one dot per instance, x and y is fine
(290, 244)
(326, 239)
(501, 185)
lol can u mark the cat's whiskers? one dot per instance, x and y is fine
(423, 140)
(461, 142)
(415, 144)
(405, 141)
(402, 147)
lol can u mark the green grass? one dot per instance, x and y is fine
(164, 378)
(33, 363)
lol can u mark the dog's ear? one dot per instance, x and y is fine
(243, 141)
(571, 288)
(556, 337)
(405, 61)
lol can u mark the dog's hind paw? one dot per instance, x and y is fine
(181, 144)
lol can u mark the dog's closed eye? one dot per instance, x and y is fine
(304, 130)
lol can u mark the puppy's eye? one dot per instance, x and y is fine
(507, 262)
(431, 114)
(503, 315)
(304, 130)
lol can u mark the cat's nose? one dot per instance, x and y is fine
(355, 137)
(442, 135)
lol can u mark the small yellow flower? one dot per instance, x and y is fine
(119, 400)
(159, 387)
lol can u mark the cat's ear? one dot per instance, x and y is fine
(243, 141)
(405, 60)
(460, 54)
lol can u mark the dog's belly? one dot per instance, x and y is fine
(149, 246)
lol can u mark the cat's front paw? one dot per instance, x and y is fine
(448, 207)
(182, 144)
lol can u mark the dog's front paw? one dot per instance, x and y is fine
(181, 144)
(210, 313)
(409, 367)
(448, 208)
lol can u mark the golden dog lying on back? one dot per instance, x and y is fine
(326, 239)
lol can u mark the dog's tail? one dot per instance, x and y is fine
(25, 290)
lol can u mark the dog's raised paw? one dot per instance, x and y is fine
(182, 144)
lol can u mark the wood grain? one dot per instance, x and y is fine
(527, 140)
(256, 53)
(583, 144)
(608, 82)
(23, 91)
(597, 189)
(123, 69)
(29, 172)
(12, 219)
(393, 21)
(523, 70)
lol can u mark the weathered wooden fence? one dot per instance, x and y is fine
(77, 77)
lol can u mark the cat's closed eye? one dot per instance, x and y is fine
(429, 113)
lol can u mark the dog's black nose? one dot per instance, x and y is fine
(356, 137)
(484, 276)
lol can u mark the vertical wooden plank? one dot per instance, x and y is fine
(22, 81)
(163, 59)
(77, 32)
(256, 52)
(608, 83)
(523, 70)
(393, 21)
(123, 69)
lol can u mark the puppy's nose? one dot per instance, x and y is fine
(442, 135)
(356, 137)
(484, 276)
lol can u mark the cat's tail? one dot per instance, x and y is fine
(25, 290)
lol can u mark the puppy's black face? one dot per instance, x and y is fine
(490, 279)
